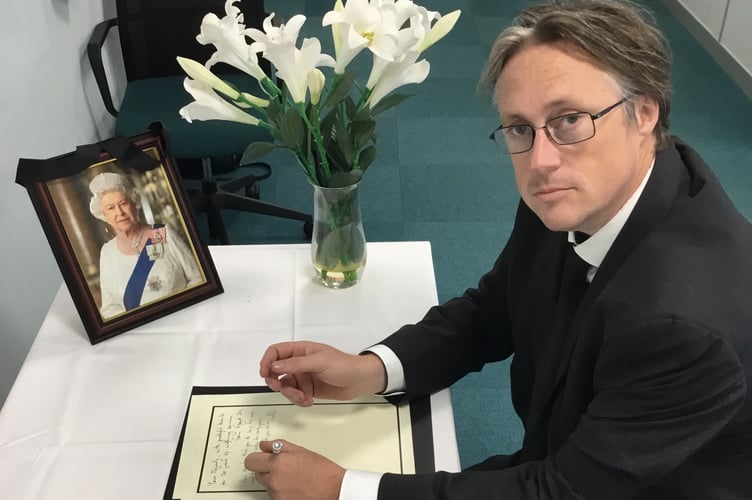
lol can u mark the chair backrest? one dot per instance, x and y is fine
(154, 32)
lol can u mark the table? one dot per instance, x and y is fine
(92, 422)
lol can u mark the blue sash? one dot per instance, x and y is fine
(135, 287)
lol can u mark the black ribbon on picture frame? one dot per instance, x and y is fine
(129, 155)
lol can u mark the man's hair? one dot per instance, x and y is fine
(619, 37)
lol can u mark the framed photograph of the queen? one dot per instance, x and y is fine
(122, 231)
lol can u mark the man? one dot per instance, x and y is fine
(631, 373)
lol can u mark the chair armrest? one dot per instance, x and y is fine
(94, 51)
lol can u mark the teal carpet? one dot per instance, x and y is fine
(439, 178)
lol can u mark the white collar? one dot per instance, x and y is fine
(594, 249)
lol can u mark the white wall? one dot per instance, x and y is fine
(48, 105)
(728, 22)
(736, 36)
(722, 27)
(710, 13)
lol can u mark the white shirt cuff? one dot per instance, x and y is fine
(359, 485)
(395, 374)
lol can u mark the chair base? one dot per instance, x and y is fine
(215, 197)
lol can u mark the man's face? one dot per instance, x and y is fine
(578, 186)
(119, 211)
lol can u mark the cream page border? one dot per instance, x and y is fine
(221, 429)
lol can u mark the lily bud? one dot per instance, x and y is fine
(199, 72)
(315, 80)
(443, 26)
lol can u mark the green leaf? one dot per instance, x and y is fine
(293, 129)
(329, 253)
(350, 109)
(388, 102)
(327, 127)
(256, 150)
(273, 112)
(367, 156)
(340, 89)
(344, 143)
(364, 114)
(342, 179)
(363, 131)
(337, 161)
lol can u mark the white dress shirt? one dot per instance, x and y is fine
(362, 485)
(594, 249)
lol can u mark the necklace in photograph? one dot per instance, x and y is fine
(136, 242)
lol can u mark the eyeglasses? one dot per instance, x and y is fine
(563, 130)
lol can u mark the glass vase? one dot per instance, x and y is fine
(338, 243)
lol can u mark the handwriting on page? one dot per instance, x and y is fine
(234, 432)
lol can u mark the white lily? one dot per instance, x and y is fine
(420, 23)
(228, 36)
(414, 22)
(399, 73)
(199, 72)
(285, 34)
(395, 32)
(407, 40)
(398, 12)
(208, 105)
(293, 64)
(419, 38)
(360, 24)
(443, 26)
(345, 47)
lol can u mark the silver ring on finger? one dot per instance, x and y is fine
(277, 447)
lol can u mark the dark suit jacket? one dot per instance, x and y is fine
(647, 394)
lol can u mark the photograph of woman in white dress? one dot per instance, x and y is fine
(143, 262)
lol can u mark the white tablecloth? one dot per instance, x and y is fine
(102, 422)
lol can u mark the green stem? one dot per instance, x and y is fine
(270, 87)
(316, 111)
(315, 129)
(328, 90)
(356, 160)
(275, 92)
(308, 168)
(265, 125)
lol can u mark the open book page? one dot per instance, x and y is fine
(222, 429)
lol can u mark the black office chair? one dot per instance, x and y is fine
(152, 34)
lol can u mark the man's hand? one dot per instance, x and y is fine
(295, 473)
(302, 371)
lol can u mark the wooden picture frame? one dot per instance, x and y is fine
(122, 231)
